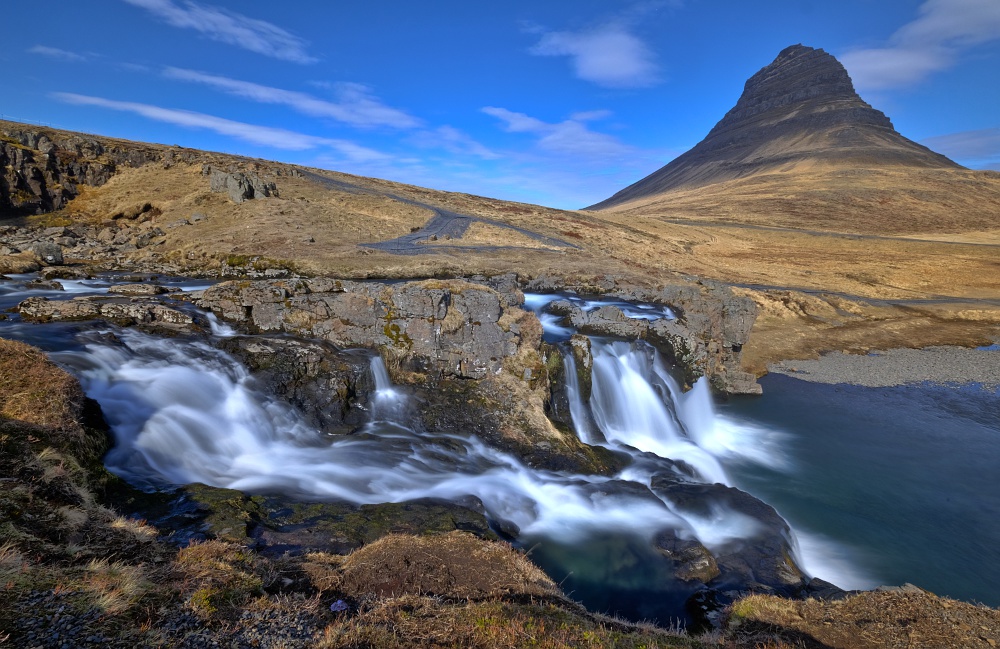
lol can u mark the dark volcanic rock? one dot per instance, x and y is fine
(317, 378)
(800, 107)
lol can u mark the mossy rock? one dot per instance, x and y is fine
(343, 527)
(228, 514)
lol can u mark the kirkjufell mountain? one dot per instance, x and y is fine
(798, 118)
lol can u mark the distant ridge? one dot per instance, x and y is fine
(798, 111)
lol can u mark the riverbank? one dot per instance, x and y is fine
(939, 365)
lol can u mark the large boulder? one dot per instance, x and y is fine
(240, 186)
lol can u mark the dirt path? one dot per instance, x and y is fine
(445, 225)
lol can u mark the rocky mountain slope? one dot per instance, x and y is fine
(799, 109)
(801, 149)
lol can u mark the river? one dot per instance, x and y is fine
(879, 485)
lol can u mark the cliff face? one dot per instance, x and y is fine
(801, 108)
(40, 170)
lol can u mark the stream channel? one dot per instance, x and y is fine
(880, 485)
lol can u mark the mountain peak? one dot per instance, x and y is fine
(810, 80)
(800, 108)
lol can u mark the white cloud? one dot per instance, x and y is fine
(277, 138)
(229, 27)
(930, 43)
(977, 148)
(571, 138)
(453, 141)
(355, 105)
(609, 55)
(56, 53)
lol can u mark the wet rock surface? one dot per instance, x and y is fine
(443, 328)
(121, 311)
(706, 339)
(324, 383)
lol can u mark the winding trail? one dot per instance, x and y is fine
(445, 225)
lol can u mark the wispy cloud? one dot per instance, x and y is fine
(932, 42)
(609, 55)
(571, 137)
(979, 148)
(229, 27)
(355, 103)
(277, 138)
(453, 141)
(56, 53)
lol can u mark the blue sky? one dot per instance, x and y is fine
(560, 103)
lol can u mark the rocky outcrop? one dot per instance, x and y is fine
(706, 339)
(41, 169)
(122, 311)
(321, 381)
(800, 107)
(443, 328)
(239, 185)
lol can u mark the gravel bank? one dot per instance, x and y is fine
(901, 366)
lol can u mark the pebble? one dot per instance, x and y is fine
(943, 365)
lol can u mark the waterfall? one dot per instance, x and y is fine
(182, 411)
(583, 423)
(388, 403)
(634, 406)
(220, 329)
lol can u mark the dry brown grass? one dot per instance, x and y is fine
(884, 200)
(220, 576)
(872, 620)
(35, 390)
(456, 565)
(115, 586)
(412, 621)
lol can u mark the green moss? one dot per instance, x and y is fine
(228, 512)
(399, 338)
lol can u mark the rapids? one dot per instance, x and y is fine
(183, 411)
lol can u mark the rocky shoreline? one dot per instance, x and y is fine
(938, 365)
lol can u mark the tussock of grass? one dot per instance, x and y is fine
(115, 586)
(221, 576)
(456, 565)
(907, 617)
(35, 390)
(136, 527)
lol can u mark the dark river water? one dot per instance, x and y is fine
(905, 480)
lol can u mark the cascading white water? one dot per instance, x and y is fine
(185, 412)
(388, 402)
(583, 423)
(630, 400)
